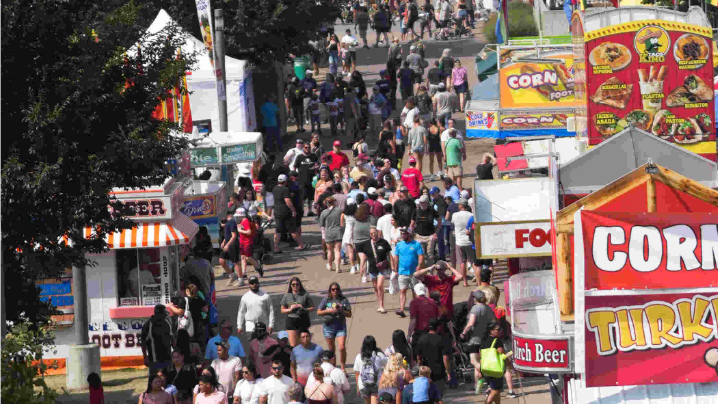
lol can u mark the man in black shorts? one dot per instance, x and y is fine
(306, 166)
(296, 194)
(230, 251)
(284, 214)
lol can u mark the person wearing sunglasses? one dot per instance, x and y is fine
(275, 389)
(225, 334)
(335, 309)
(247, 390)
(296, 304)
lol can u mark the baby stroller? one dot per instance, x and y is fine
(463, 366)
(262, 250)
(454, 29)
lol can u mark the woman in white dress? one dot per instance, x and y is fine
(347, 222)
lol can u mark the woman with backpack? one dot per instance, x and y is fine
(368, 367)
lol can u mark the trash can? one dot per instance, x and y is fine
(301, 64)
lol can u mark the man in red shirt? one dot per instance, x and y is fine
(421, 309)
(339, 159)
(444, 281)
(377, 209)
(412, 179)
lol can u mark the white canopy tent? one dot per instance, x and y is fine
(241, 116)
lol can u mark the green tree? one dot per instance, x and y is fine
(78, 101)
(521, 22)
(260, 31)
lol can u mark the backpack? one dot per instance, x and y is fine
(151, 336)
(185, 322)
(369, 373)
(424, 104)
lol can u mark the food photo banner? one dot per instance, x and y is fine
(654, 75)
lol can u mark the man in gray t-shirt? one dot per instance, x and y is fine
(417, 134)
(443, 104)
(480, 316)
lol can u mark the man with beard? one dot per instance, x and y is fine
(306, 164)
(404, 209)
(255, 307)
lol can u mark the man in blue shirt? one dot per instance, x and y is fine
(451, 189)
(409, 256)
(270, 122)
(225, 334)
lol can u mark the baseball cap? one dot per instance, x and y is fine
(240, 212)
(463, 201)
(403, 189)
(412, 159)
(465, 194)
(420, 289)
(424, 198)
(337, 143)
(412, 47)
(388, 177)
(260, 326)
(361, 156)
(442, 86)
(224, 344)
(433, 323)
(405, 230)
(351, 201)
(253, 279)
(441, 264)
(309, 71)
(282, 178)
(300, 141)
(283, 335)
(434, 190)
(385, 397)
(371, 191)
(478, 295)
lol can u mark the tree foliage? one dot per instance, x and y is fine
(260, 31)
(77, 101)
(521, 22)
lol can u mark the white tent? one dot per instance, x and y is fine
(201, 83)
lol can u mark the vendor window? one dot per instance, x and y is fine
(138, 277)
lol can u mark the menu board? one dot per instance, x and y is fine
(526, 84)
(654, 75)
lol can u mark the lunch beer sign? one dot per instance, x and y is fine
(646, 297)
(654, 75)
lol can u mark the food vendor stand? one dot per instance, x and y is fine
(534, 94)
(648, 67)
(205, 202)
(141, 269)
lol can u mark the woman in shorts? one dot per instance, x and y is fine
(296, 304)
(335, 309)
(433, 137)
(330, 224)
(460, 82)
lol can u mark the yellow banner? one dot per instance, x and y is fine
(532, 85)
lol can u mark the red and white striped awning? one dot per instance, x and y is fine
(178, 231)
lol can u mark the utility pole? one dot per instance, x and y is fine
(219, 69)
(83, 357)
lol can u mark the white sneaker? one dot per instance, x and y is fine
(441, 174)
(363, 279)
(353, 270)
(241, 282)
(329, 267)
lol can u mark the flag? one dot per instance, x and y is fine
(502, 24)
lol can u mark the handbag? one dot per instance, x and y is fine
(185, 322)
(492, 362)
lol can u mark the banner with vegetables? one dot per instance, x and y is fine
(537, 85)
(653, 75)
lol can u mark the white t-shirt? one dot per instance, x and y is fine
(445, 136)
(460, 219)
(351, 42)
(335, 377)
(385, 227)
(225, 370)
(276, 389)
(358, 363)
(248, 392)
(409, 116)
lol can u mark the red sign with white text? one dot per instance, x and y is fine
(534, 354)
(651, 339)
(650, 251)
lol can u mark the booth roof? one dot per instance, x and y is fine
(203, 70)
(487, 89)
(626, 151)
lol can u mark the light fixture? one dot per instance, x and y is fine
(218, 20)
(651, 168)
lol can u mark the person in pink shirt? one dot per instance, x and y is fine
(259, 344)
(412, 178)
(209, 391)
(460, 82)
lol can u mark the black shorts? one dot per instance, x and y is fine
(286, 224)
(365, 248)
(435, 147)
(298, 218)
(473, 348)
(301, 323)
(308, 192)
(495, 383)
(232, 253)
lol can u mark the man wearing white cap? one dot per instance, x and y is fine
(421, 309)
(377, 208)
(293, 153)
(284, 214)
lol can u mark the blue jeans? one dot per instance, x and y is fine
(333, 330)
(333, 61)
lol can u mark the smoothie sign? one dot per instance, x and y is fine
(653, 75)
